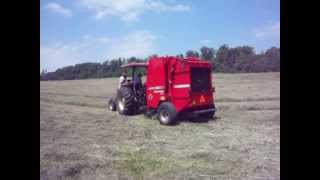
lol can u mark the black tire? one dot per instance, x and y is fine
(112, 105)
(167, 114)
(125, 101)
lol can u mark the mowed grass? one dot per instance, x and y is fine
(80, 139)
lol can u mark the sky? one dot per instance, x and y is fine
(77, 31)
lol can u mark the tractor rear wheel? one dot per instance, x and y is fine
(125, 101)
(167, 113)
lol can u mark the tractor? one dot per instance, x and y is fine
(173, 86)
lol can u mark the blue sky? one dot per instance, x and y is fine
(96, 30)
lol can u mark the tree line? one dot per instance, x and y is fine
(225, 59)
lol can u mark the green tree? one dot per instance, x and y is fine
(243, 58)
(225, 59)
(221, 58)
(272, 59)
(207, 53)
(192, 53)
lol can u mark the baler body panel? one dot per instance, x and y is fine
(181, 85)
(170, 79)
(156, 82)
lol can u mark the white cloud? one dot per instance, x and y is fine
(159, 6)
(269, 31)
(60, 54)
(57, 8)
(57, 55)
(93, 49)
(205, 41)
(129, 10)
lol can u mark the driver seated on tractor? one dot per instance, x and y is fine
(122, 79)
(137, 82)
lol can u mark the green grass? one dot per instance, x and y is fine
(139, 164)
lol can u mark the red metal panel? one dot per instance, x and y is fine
(155, 83)
(205, 98)
(169, 78)
(182, 96)
(181, 85)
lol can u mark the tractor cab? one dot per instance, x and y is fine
(131, 94)
(132, 70)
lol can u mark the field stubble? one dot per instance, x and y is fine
(79, 139)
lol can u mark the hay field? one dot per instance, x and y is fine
(80, 139)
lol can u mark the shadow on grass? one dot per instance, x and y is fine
(182, 118)
(194, 119)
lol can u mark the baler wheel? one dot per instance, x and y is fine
(167, 113)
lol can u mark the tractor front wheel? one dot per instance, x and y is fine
(112, 106)
(167, 113)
